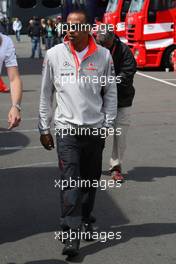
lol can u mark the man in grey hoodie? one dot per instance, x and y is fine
(81, 74)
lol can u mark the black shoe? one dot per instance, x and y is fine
(71, 247)
(92, 219)
(63, 237)
(87, 232)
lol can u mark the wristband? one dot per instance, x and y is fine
(17, 106)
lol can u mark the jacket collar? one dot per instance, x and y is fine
(92, 46)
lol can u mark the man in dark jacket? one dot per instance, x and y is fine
(34, 31)
(125, 68)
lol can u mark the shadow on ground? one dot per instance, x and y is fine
(28, 66)
(12, 140)
(30, 205)
(147, 174)
(48, 261)
(128, 232)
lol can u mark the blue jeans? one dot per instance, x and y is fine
(17, 33)
(49, 42)
(36, 46)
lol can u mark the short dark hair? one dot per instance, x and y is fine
(36, 18)
(105, 33)
(81, 12)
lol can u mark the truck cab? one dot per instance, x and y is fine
(150, 32)
(116, 14)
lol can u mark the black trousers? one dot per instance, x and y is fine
(80, 158)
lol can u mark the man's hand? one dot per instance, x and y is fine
(47, 141)
(14, 117)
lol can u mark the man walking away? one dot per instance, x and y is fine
(17, 26)
(34, 31)
(125, 68)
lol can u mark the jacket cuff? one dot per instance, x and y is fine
(109, 122)
(44, 132)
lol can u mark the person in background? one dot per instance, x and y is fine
(8, 25)
(3, 87)
(58, 29)
(30, 24)
(17, 26)
(8, 56)
(49, 34)
(125, 68)
(43, 28)
(2, 27)
(35, 31)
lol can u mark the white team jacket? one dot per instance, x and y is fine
(86, 92)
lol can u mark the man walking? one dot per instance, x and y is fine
(83, 107)
(35, 31)
(17, 26)
(125, 68)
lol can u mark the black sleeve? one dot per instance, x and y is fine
(42, 31)
(127, 62)
(54, 32)
(29, 31)
(125, 69)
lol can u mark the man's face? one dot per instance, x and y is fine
(74, 35)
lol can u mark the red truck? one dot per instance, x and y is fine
(150, 32)
(116, 14)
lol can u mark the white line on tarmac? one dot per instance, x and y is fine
(155, 79)
(19, 148)
(169, 79)
(29, 165)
